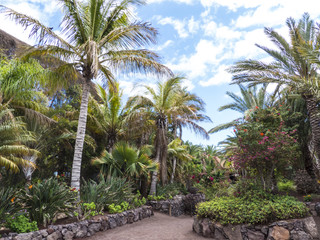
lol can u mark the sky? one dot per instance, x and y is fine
(198, 39)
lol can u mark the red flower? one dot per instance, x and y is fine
(197, 181)
(62, 175)
(192, 177)
(257, 107)
(211, 178)
(261, 134)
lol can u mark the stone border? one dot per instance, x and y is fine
(295, 229)
(179, 205)
(85, 228)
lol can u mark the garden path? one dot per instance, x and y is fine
(158, 227)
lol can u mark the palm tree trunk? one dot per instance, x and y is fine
(174, 164)
(163, 156)
(154, 178)
(77, 158)
(314, 119)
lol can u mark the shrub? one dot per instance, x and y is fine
(7, 202)
(113, 208)
(234, 210)
(138, 201)
(286, 186)
(21, 224)
(156, 198)
(88, 210)
(115, 190)
(46, 199)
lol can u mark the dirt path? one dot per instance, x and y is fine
(158, 227)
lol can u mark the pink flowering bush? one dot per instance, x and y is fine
(265, 146)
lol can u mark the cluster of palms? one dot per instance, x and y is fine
(294, 71)
(101, 40)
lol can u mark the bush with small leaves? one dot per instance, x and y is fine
(21, 224)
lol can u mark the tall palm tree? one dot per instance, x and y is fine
(101, 39)
(251, 97)
(290, 68)
(165, 105)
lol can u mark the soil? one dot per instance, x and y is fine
(158, 227)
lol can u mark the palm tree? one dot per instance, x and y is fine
(177, 151)
(166, 105)
(13, 137)
(101, 40)
(290, 68)
(109, 116)
(251, 97)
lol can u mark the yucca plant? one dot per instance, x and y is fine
(105, 192)
(46, 199)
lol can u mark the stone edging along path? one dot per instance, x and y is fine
(295, 229)
(85, 228)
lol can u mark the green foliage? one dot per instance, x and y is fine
(107, 191)
(171, 189)
(8, 205)
(255, 210)
(156, 198)
(113, 208)
(21, 224)
(286, 186)
(88, 210)
(44, 200)
(138, 201)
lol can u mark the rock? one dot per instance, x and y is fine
(54, 236)
(317, 208)
(253, 235)
(233, 232)
(311, 227)
(206, 230)
(280, 233)
(68, 235)
(112, 222)
(218, 235)
(82, 232)
(196, 225)
(300, 235)
(44, 233)
(23, 236)
(94, 227)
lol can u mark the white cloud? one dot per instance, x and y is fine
(220, 76)
(163, 46)
(206, 54)
(193, 25)
(177, 1)
(178, 25)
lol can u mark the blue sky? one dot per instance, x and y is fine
(197, 38)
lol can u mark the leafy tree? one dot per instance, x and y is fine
(101, 40)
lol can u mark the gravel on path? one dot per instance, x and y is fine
(158, 227)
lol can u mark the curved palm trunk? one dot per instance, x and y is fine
(314, 119)
(76, 165)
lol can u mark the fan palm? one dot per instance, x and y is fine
(165, 106)
(290, 67)
(250, 98)
(125, 160)
(101, 40)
